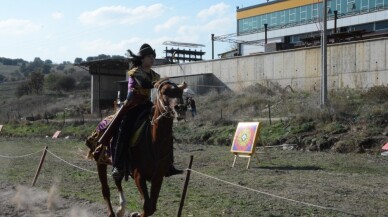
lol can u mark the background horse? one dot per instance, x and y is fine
(152, 159)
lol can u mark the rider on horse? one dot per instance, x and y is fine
(140, 82)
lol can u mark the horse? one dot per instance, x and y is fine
(151, 160)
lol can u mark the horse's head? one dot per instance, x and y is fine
(169, 99)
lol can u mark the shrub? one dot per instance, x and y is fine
(376, 93)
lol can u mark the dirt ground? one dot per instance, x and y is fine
(24, 201)
(283, 183)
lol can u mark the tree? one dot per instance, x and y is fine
(36, 82)
(23, 89)
(61, 67)
(2, 78)
(59, 83)
(50, 81)
(88, 59)
(48, 62)
(70, 71)
(84, 82)
(78, 60)
(37, 63)
(103, 57)
(66, 83)
(23, 68)
(46, 69)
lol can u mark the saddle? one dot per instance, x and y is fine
(102, 153)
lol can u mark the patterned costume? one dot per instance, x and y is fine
(101, 153)
(140, 84)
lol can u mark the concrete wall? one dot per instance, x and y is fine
(359, 64)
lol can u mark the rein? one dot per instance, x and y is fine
(167, 112)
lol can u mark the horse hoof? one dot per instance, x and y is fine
(134, 214)
(120, 213)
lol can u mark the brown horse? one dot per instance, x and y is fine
(152, 158)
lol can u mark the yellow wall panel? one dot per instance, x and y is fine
(283, 5)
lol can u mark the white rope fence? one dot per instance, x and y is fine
(73, 165)
(272, 195)
(21, 156)
(203, 174)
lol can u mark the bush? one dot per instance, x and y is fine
(377, 94)
(56, 82)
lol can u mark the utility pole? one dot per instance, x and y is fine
(212, 46)
(324, 57)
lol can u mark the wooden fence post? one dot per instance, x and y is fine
(40, 165)
(185, 187)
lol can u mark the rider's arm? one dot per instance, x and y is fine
(131, 86)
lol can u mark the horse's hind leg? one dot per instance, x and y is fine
(102, 168)
(121, 210)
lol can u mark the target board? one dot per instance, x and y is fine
(245, 139)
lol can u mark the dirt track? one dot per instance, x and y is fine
(353, 183)
(23, 201)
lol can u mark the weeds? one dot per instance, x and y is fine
(350, 117)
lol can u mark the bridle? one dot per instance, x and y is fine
(167, 112)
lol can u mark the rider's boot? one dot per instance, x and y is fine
(117, 174)
(173, 171)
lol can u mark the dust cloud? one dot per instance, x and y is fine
(25, 201)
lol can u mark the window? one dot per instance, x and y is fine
(379, 3)
(382, 25)
(309, 12)
(264, 20)
(338, 6)
(367, 27)
(364, 5)
(351, 6)
(292, 15)
(255, 26)
(315, 11)
(330, 7)
(273, 19)
(303, 13)
(282, 17)
(245, 25)
(240, 26)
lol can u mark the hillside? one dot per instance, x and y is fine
(353, 121)
(48, 102)
(9, 71)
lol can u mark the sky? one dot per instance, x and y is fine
(64, 30)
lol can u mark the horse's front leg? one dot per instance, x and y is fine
(141, 185)
(102, 168)
(121, 210)
(156, 185)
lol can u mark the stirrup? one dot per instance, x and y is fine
(117, 174)
(173, 171)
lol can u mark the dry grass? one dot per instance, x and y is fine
(351, 183)
(353, 120)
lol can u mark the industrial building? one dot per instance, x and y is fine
(357, 56)
(289, 23)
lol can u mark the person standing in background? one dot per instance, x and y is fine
(193, 107)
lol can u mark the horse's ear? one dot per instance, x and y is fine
(183, 85)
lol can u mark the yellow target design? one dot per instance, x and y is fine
(245, 137)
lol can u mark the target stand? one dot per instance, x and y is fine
(245, 140)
